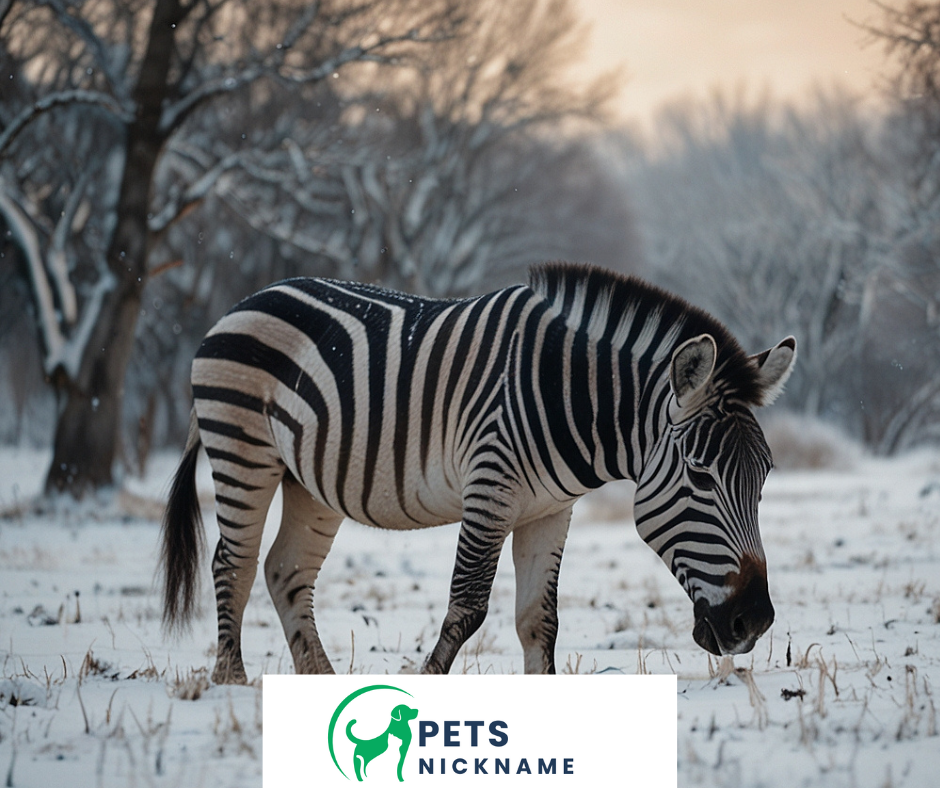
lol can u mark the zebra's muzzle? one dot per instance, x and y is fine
(734, 626)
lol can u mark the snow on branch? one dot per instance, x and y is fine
(61, 350)
(58, 257)
(74, 349)
(175, 113)
(370, 53)
(195, 193)
(24, 233)
(57, 99)
(266, 221)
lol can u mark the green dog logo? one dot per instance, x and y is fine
(367, 750)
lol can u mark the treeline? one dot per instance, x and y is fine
(823, 221)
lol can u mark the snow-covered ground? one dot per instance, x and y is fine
(843, 691)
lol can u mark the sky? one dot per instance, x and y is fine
(672, 49)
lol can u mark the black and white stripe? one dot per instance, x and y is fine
(499, 412)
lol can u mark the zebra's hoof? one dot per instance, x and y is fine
(229, 675)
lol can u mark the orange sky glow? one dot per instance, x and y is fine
(672, 49)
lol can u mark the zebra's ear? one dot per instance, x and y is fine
(692, 365)
(774, 367)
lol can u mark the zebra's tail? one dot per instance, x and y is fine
(183, 539)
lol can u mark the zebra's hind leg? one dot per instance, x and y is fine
(537, 548)
(291, 569)
(244, 490)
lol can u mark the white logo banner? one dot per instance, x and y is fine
(456, 730)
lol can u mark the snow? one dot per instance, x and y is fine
(840, 692)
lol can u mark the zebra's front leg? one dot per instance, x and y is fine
(478, 548)
(537, 548)
(291, 568)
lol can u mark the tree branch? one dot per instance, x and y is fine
(53, 100)
(5, 6)
(94, 42)
(174, 114)
(58, 257)
(195, 193)
(187, 63)
(272, 65)
(26, 237)
(60, 350)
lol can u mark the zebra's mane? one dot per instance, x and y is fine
(606, 304)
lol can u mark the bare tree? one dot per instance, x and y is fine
(441, 176)
(481, 125)
(143, 70)
(824, 221)
(815, 222)
(910, 36)
(768, 217)
(321, 184)
(909, 295)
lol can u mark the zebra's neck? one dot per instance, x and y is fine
(604, 371)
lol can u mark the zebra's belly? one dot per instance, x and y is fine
(415, 506)
(387, 497)
(428, 508)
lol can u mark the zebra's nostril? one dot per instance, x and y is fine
(739, 628)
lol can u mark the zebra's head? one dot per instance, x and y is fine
(697, 496)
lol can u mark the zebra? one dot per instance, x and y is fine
(498, 412)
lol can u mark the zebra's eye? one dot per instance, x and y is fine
(701, 478)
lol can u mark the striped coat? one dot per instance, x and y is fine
(498, 412)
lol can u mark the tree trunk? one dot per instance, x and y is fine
(89, 426)
(88, 430)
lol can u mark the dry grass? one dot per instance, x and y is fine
(482, 644)
(192, 685)
(92, 666)
(575, 669)
(236, 737)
